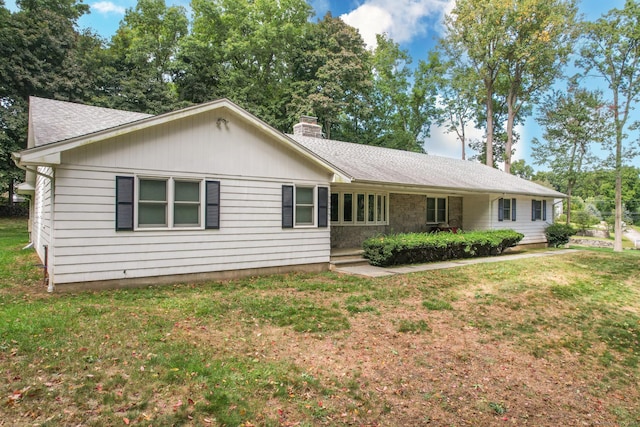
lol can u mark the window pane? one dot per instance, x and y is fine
(431, 210)
(153, 189)
(187, 191)
(348, 207)
(379, 208)
(371, 208)
(304, 196)
(360, 208)
(304, 214)
(152, 214)
(384, 208)
(334, 207)
(442, 210)
(506, 209)
(185, 215)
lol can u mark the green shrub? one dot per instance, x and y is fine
(421, 247)
(558, 234)
(583, 219)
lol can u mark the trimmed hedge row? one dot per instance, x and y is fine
(420, 247)
(18, 210)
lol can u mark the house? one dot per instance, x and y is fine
(212, 192)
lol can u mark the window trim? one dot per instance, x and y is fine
(543, 210)
(313, 205)
(502, 211)
(377, 196)
(290, 203)
(446, 210)
(203, 205)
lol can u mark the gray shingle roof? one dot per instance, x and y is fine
(367, 163)
(54, 121)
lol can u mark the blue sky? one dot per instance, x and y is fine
(414, 24)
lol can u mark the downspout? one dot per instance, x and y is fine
(16, 160)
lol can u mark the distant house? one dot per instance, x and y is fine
(211, 191)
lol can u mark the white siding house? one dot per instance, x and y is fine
(210, 191)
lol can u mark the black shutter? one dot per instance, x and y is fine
(323, 206)
(124, 203)
(544, 210)
(533, 210)
(287, 206)
(212, 212)
(500, 209)
(513, 209)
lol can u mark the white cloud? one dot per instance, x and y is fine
(107, 7)
(441, 143)
(402, 20)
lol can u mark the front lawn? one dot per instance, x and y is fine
(542, 342)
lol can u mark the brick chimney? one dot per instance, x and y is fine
(308, 126)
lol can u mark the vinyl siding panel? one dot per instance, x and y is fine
(199, 144)
(250, 236)
(481, 213)
(41, 215)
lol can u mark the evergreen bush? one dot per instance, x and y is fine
(558, 234)
(410, 248)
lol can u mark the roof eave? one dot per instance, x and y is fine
(444, 189)
(50, 154)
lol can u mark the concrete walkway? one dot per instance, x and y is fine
(371, 271)
(634, 236)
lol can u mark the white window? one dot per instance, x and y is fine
(359, 208)
(304, 205)
(538, 210)
(152, 202)
(506, 209)
(186, 204)
(169, 203)
(436, 210)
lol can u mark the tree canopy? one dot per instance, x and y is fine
(496, 61)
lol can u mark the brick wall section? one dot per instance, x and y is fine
(352, 236)
(455, 212)
(407, 214)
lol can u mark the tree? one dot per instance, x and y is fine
(137, 71)
(539, 36)
(572, 123)
(332, 78)
(612, 50)
(475, 29)
(245, 51)
(521, 169)
(457, 94)
(516, 50)
(401, 112)
(37, 46)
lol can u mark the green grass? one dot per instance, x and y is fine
(310, 348)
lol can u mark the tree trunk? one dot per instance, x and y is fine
(489, 87)
(617, 243)
(511, 118)
(463, 139)
(569, 190)
(507, 148)
(10, 201)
